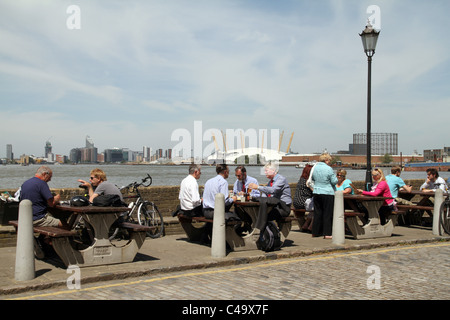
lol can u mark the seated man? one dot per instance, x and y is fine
(37, 191)
(99, 185)
(242, 181)
(278, 191)
(216, 185)
(433, 182)
(190, 201)
(396, 184)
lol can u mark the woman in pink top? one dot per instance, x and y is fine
(380, 189)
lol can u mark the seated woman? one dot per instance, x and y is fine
(343, 183)
(380, 189)
(303, 197)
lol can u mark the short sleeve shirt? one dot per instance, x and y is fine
(38, 192)
(108, 188)
(395, 183)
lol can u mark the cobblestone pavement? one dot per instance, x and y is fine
(401, 272)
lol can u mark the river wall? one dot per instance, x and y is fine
(165, 197)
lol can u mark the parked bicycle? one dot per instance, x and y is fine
(142, 211)
(444, 215)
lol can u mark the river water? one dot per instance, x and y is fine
(66, 176)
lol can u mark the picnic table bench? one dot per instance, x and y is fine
(371, 227)
(52, 232)
(73, 249)
(354, 217)
(415, 210)
(238, 233)
(200, 228)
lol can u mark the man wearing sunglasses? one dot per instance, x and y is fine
(99, 186)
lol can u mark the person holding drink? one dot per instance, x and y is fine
(276, 192)
(241, 185)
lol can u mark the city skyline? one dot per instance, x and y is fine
(151, 152)
(129, 74)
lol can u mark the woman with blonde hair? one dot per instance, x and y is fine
(380, 189)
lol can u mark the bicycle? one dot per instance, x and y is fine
(145, 212)
(444, 215)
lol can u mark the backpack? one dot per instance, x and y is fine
(269, 239)
(108, 200)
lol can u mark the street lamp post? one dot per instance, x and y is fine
(369, 37)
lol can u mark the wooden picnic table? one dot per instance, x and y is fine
(239, 234)
(372, 228)
(248, 212)
(415, 210)
(101, 251)
(410, 195)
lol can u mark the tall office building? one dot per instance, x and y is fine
(48, 149)
(146, 153)
(89, 142)
(9, 153)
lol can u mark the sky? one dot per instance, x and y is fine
(136, 73)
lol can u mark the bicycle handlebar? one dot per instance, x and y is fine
(148, 177)
(135, 185)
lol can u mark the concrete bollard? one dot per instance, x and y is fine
(338, 218)
(25, 269)
(218, 243)
(438, 199)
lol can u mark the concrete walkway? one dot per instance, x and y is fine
(175, 253)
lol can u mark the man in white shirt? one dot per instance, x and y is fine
(190, 201)
(433, 182)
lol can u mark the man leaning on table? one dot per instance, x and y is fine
(396, 184)
(38, 192)
(278, 192)
(99, 185)
(241, 185)
(433, 182)
(216, 185)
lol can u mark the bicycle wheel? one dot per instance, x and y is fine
(149, 215)
(445, 216)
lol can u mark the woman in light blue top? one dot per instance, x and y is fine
(324, 186)
(344, 184)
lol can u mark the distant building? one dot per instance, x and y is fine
(47, 149)
(89, 142)
(9, 153)
(381, 144)
(75, 155)
(60, 158)
(113, 155)
(84, 155)
(147, 153)
(436, 155)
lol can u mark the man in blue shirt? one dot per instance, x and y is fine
(37, 191)
(396, 183)
(216, 185)
(241, 185)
